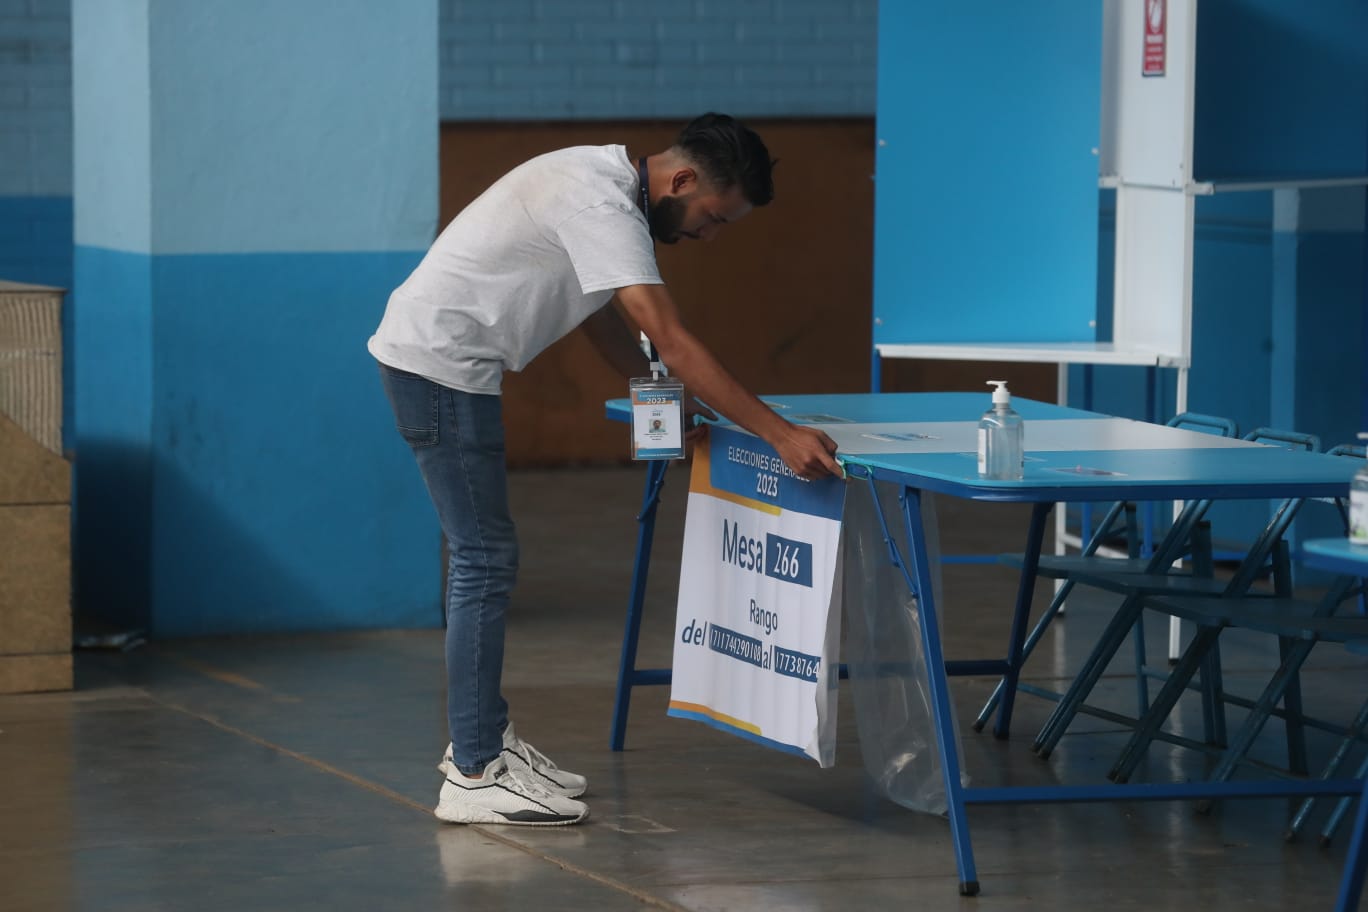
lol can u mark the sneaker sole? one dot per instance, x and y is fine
(473, 814)
(446, 769)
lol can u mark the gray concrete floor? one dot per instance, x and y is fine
(297, 772)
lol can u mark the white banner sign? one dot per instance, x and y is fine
(758, 625)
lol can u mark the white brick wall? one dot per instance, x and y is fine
(35, 97)
(571, 59)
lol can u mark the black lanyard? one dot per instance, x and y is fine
(644, 204)
(644, 197)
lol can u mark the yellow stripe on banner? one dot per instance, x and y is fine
(702, 710)
(700, 482)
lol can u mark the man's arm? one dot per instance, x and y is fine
(807, 451)
(614, 340)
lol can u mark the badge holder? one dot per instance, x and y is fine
(657, 412)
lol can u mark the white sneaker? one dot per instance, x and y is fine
(504, 795)
(525, 758)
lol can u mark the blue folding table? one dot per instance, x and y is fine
(1338, 556)
(926, 442)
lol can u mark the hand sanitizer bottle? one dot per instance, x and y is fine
(1001, 454)
(1358, 505)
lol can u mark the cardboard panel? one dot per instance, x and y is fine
(29, 472)
(35, 673)
(35, 580)
(31, 360)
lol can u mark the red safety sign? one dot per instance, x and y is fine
(1156, 38)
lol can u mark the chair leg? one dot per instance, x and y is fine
(1281, 560)
(1341, 808)
(1192, 658)
(1056, 607)
(1134, 549)
(1213, 698)
(1294, 657)
(1292, 705)
(1112, 637)
(1037, 633)
(1337, 759)
(1142, 699)
(1351, 737)
(1263, 708)
(1356, 863)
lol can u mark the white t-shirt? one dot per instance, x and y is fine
(520, 267)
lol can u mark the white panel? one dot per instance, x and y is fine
(1153, 270)
(1109, 126)
(1146, 126)
(111, 118)
(1026, 352)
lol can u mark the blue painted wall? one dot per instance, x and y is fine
(35, 142)
(35, 153)
(35, 239)
(281, 497)
(237, 237)
(114, 454)
(1307, 66)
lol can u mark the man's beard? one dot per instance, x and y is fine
(667, 215)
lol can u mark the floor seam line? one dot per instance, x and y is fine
(383, 791)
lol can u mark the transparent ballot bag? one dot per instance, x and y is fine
(885, 654)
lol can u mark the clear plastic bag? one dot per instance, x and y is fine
(885, 655)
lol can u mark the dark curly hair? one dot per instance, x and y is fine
(729, 153)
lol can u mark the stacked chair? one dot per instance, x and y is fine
(1299, 625)
(1268, 552)
(1211, 606)
(1189, 539)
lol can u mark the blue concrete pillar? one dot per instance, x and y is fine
(252, 178)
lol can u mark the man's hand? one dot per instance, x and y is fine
(695, 429)
(810, 453)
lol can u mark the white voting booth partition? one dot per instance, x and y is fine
(1125, 123)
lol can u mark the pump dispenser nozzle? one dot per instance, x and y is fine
(1000, 395)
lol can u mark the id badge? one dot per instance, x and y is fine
(657, 418)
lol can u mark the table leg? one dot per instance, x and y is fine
(1025, 590)
(919, 581)
(655, 480)
(1356, 862)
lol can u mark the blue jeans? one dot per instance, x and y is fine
(458, 440)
